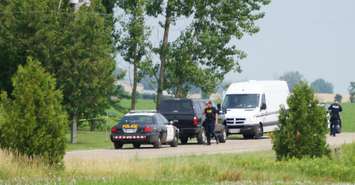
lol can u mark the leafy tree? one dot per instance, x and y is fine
(338, 98)
(76, 48)
(215, 24)
(352, 92)
(292, 78)
(303, 126)
(322, 86)
(34, 121)
(132, 42)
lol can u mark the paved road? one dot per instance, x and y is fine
(231, 146)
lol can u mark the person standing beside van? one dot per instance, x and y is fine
(210, 122)
(334, 110)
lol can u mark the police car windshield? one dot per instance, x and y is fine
(241, 101)
(137, 119)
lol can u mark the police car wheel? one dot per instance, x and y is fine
(118, 145)
(136, 145)
(175, 142)
(157, 143)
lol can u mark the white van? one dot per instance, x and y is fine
(252, 108)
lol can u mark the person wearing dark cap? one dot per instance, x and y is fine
(210, 122)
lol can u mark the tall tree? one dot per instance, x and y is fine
(322, 86)
(75, 47)
(133, 43)
(215, 24)
(292, 78)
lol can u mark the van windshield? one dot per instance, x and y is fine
(241, 101)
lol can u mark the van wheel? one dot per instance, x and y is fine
(201, 137)
(259, 132)
(184, 139)
(248, 136)
(223, 137)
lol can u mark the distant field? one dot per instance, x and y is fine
(348, 117)
(250, 168)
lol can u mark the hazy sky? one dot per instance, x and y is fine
(315, 37)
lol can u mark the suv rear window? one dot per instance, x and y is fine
(176, 106)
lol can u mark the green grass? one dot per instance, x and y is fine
(348, 116)
(90, 140)
(248, 168)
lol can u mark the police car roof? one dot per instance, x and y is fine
(141, 114)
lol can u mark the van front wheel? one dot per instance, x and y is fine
(259, 131)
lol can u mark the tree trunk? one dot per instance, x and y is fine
(74, 130)
(134, 88)
(163, 51)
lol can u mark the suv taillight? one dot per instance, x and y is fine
(114, 130)
(195, 120)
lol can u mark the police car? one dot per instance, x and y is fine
(144, 127)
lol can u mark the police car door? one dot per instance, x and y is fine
(170, 130)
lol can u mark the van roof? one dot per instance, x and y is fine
(254, 86)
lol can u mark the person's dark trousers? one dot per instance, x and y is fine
(333, 127)
(209, 130)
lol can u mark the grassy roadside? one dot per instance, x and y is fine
(259, 168)
(348, 116)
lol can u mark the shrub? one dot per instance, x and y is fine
(303, 126)
(34, 121)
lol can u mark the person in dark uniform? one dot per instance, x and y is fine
(210, 121)
(335, 120)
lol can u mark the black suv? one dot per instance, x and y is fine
(187, 115)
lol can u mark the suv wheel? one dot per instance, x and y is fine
(118, 145)
(136, 145)
(201, 137)
(157, 143)
(184, 139)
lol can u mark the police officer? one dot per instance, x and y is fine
(210, 121)
(335, 120)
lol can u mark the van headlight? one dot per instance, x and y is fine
(252, 120)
